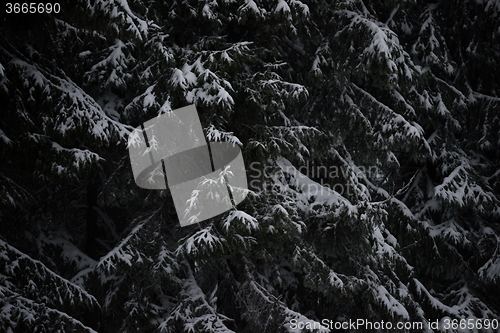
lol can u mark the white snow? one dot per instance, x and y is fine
(203, 241)
(251, 6)
(312, 193)
(4, 137)
(120, 8)
(207, 10)
(80, 157)
(392, 304)
(214, 134)
(282, 6)
(491, 269)
(302, 6)
(243, 219)
(149, 97)
(42, 271)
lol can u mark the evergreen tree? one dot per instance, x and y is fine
(370, 133)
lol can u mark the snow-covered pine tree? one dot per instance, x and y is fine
(407, 91)
(52, 131)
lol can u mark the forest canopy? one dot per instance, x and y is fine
(389, 110)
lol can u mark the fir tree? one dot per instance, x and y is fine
(370, 132)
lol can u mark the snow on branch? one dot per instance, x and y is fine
(80, 157)
(238, 219)
(112, 71)
(121, 16)
(31, 278)
(76, 110)
(12, 194)
(206, 241)
(194, 312)
(251, 7)
(18, 312)
(267, 311)
(213, 134)
(383, 53)
(465, 303)
(459, 188)
(127, 252)
(310, 193)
